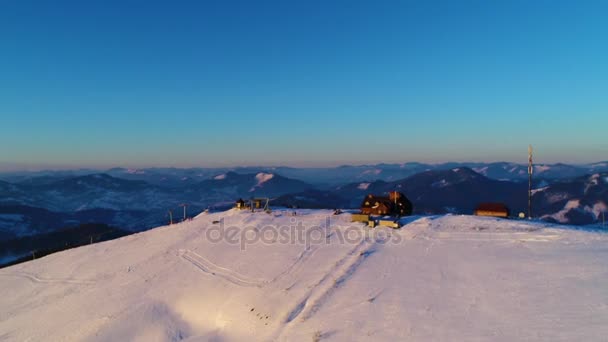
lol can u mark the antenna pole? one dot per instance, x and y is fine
(184, 205)
(530, 171)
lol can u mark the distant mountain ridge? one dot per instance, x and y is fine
(437, 191)
(136, 204)
(248, 185)
(319, 176)
(38, 205)
(576, 201)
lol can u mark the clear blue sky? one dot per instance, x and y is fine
(304, 83)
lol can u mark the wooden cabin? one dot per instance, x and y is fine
(394, 204)
(492, 209)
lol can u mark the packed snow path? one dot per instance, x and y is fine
(315, 276)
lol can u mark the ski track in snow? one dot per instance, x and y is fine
(295, 266)
(237, 278)
(345, 273)
(225, 273)
(36, 279)
(322, 290)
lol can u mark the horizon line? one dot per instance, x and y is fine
(58, 168)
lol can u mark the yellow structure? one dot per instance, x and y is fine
(360, 218)
(389, 223)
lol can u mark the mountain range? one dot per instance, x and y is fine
(320, 176)
(580, 200)
(39, 202)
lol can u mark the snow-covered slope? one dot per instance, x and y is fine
(442, 278)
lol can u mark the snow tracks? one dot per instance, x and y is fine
(227, 274)
(36, 279)
(318, 294)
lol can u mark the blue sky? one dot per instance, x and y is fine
(303, 83)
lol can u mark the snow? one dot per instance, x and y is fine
(440, 184)
(263, 177)
(534, 191)
(481, 170)
(560, 216)
(457, 278)
(220, 177)
(594, 180)
(597, 209)
(372, 172)
(363, 186)
(541, 168)
(557, 197)
(572, 204)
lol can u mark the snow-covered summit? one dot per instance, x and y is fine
(235, 276)
(363, 186)
(263, 177)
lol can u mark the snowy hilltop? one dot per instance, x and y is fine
(313, 276)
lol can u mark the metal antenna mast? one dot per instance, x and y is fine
(184, 205)
(530, 171)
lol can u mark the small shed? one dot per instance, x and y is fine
(240, 204)
(492, 209)
(257, 203)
